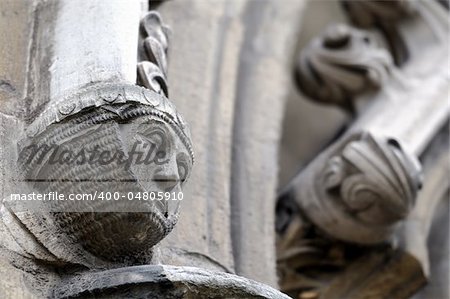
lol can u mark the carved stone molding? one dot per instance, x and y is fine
(340, 64)
(163, 281)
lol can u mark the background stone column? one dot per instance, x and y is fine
(229, 70)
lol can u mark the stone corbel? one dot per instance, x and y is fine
(360, 187)
(347, 65)
(348, 207)
(399, 269)
(341, 64)
(353, 200)
(112, 117)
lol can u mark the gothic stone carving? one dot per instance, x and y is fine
(82, 250)
(313, 265)
(119, 120)
(341, 64)
(366, 183)
(376, 180)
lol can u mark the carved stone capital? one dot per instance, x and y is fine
(361, 187)
(340, 64)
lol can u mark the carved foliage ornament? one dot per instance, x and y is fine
(154, 42)
(341, 64)
(375, 179)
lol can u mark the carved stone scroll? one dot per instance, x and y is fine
(375, 179)
(340, 217)
(366, 183)
(375, 161)
(341, 64)
(399, 270)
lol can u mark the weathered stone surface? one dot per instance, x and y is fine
(82, 103)
(69, 77)
(163, 282)
(265, 59)
(239, 66)
(341, 63)
(16, 30)
(203, 63)
(316, 260)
